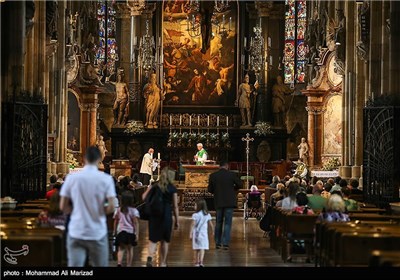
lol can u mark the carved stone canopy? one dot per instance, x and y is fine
(264, 8)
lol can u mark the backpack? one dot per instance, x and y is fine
(265, 223)
(154, 202)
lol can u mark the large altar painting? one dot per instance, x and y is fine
(193, 77)
(333, 127)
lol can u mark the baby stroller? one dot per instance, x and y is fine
(253, 206)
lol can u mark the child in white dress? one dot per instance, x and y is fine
(199, 231)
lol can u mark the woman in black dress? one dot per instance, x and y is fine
(160, 227)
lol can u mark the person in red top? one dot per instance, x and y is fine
(56, 188)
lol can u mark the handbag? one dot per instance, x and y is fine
(142, 212)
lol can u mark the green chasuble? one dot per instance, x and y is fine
(200, 155)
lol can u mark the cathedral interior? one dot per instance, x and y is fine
(269, 86)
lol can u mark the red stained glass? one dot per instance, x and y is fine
(295, 52)
(107, 32)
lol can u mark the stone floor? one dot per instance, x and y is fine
(248, 248)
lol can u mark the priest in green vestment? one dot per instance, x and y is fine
(201, 156)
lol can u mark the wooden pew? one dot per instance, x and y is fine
(333, 251)
(24, 232)
(298, 227)
(385, 258)
(354, 249)
(324, 230)
(21, 213)
(40, 250)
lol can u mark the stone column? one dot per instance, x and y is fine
(62, 94)
(89, 104)
(375, 49)
(41, 50)
(13, 46)
(394, 57)
(315, 109)
(136, 104)
(359, 105)
(385, 48)
(348, 94)
(263, 9)
(29, 62)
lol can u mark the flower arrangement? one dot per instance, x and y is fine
(225, 140)
(262, 129)
(332, 163)
(134, 127)
(71, 160)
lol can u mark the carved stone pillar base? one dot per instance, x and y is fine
(345, 172)
(356, 172)
(62, 167)
(53, 168)
(360, 180)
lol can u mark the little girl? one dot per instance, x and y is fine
(199, 231)
(126, 227)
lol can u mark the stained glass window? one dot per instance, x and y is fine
(295, 51)
(107, 50)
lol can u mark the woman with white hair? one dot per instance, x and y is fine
(334, 210)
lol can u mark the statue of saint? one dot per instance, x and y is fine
(279, 90)
(121, 108)
(152, 95)
(102, 147)
(245, 91)
(303, 150)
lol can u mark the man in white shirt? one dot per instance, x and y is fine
(201, 156)
(88, 196)
(147, 167)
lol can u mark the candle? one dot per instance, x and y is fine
(217, 120)
(230, 23)
(208, 120)
(170, 120)
(190, 120)
(198, 120)
(245, 42)
(180, 119)
(158, 155)
(227, 121)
